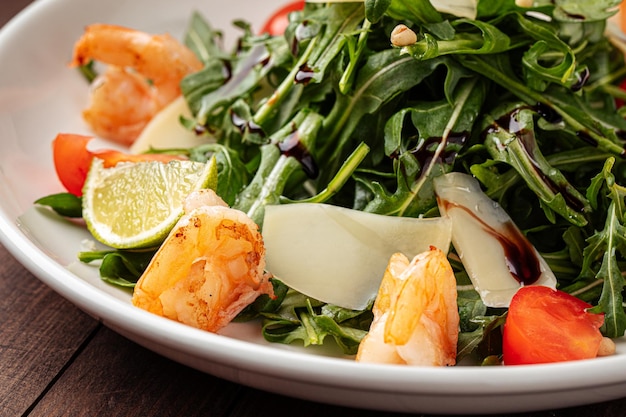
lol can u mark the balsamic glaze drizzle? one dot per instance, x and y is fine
(520, 256)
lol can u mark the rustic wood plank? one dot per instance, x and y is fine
(39, 333)
(282, 406)
(11, 8)
(257, 403)
(113, 376)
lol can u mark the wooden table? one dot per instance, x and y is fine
(56, 360)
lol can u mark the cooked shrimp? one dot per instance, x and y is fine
(122, 103)
(143, 76)
(209, 268)
(416, 319)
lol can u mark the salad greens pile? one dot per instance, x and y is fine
(527, 100)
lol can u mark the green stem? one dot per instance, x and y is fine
(347, 78)
(463, 96)
(267, 108)
(344, 174)
(533, 98)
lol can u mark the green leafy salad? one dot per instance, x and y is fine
(342, 110)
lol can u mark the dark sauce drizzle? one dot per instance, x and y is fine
(551, 116)
(425, 150)
(304, 75)
(583, 77)
(227, 70)
(510, 123)
(292, 146)
(301, 33)
(548, 113)
(259, 55)
(244, 125)
(520, 256)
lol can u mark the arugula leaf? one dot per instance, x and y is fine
(335, 23)
(202, 39)
(605, 244)
(119, 267)
(470, 307)
(287, 153)
(418, 11)
(470, 341)
(382, 78)
(488, 40)
(576, 113)
(489, 9)
(611, 299)
(575, 10)
(562, 10)
(343, 176)
(441, 131)
(232, 174)
(247, 72)
(511, 139)
(89, 71)
(550, 48)
(311, 322)
(264, 304)
(65, 204)
(376, 9)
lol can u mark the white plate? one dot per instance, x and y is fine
(40, 96)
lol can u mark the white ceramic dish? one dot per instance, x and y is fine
(40, 96)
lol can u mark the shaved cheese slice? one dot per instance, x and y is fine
(497, 256)
(165, 130)
(338, 255)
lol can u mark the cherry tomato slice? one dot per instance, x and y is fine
(277, 23)
(72, 159)
(545, 325)
(619, 102)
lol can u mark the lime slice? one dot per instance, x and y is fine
(135, 205)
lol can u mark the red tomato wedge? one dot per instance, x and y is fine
(277, 23)
(618, 101)
(72, 159)
(545, 325)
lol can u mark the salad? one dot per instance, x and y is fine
(380, 107)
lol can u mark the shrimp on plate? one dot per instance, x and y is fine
(210, 267)
(416, 319)
(143, 76)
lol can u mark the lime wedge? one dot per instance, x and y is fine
(135, 205)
